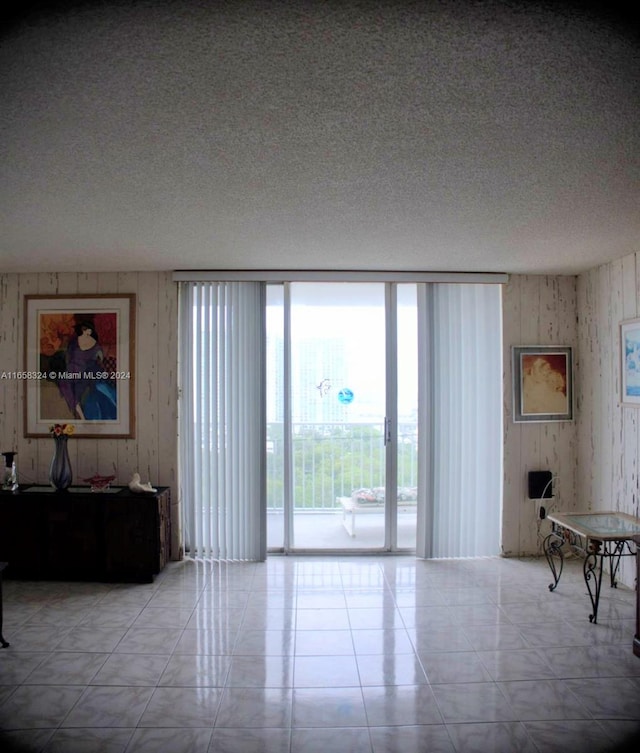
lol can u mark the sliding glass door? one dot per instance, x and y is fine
(342, 467)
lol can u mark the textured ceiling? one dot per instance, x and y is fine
(456, 136)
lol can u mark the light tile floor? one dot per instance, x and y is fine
(306, 655)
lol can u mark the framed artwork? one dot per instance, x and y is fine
(630, 352)
(79, 364)
(542, 383)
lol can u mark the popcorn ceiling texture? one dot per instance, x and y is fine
(408, 135)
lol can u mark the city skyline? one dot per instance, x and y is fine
(335, 349)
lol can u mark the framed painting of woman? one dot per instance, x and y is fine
(79, 364)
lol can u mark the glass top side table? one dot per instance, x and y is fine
(595, 537)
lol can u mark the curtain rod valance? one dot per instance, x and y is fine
(318, 275)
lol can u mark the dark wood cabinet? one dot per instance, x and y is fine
(114, 535)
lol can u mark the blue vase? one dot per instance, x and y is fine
(60, 474)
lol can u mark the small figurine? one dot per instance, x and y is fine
(137, 486)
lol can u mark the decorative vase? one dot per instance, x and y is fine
(60, 474)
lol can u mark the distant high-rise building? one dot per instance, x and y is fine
(320, 369)
(318, 373)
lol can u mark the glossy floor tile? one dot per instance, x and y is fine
(321, 654)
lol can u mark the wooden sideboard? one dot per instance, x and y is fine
(113, 536)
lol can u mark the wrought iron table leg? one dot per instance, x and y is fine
(614, 560)
(552, 547)
(593, 577)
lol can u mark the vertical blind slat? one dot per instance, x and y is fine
(465, 375)
(222, 412)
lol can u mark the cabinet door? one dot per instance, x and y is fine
(131, 530)
(74, 545)
(22, 539)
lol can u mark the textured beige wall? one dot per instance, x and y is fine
(608, 433)
(153, 451)
(537, 310)
(595, 457)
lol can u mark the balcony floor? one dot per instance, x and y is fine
(326, 530)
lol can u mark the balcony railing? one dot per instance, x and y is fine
(333, 460)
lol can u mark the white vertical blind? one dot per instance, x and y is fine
(222, 419)
(461, 408)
